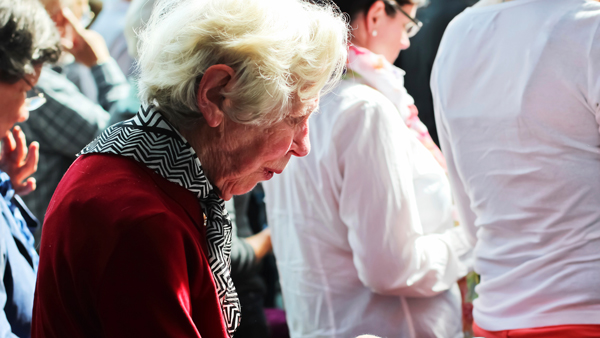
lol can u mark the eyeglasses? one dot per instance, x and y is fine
(413, 27)
(34, 99)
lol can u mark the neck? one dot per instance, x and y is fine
(359, 33)
(199, 138)
(209, 145)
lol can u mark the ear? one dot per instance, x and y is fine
(374, 16)
(216, 79)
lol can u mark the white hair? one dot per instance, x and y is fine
(282, 52)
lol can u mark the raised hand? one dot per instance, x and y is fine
(18, 161)
(88, 47)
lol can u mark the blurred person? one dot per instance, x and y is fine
(362, 227)
(110, 24)
(137, 16)
(130, 23)
(516, 87)
(69, 120)
(137, 241)
(27, 40)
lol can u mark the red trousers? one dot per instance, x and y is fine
(559, 331)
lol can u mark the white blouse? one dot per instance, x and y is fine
(362, 227)
(517, 95)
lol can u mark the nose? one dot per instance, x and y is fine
(301, 143)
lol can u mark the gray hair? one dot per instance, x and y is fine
(282, 52)
(27, 37)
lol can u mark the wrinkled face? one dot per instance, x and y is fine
(391, 35)
(250, 154)
(12, 101)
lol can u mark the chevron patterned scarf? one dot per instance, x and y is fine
(150, 139)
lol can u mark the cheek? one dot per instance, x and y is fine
(396, 41)
(13, 104)
(277, 147)
(13, 111)
(264, 148)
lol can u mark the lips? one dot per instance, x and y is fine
(269, 172)
(276, 171)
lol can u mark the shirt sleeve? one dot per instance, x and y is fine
(243, 258)
(68, 120)
(5, 328)
(145, 290)
(390, 251)
(111, 82)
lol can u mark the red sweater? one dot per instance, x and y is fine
(123, 254)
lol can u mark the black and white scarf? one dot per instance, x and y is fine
(150, 139)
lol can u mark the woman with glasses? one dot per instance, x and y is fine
(362, 227)
(27, 40)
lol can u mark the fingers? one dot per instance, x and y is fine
(31, 163)
(67, 44)
(73, 29)
(73, 21)
(27, 169)
(8, 144)
(26, 187)
(88, 47)
(19, 161)
(20, 150)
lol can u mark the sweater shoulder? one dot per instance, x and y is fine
(115, 189)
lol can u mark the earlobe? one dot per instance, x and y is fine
(373, 15)
(209, 97)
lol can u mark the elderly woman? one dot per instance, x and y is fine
(27, 40)
(136, 240)
(362, 228)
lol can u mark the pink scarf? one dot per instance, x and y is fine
(378, 73)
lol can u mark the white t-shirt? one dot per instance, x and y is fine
(348, 222)
(516, 91)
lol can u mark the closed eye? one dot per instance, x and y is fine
(297, 120)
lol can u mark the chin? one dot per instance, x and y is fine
(237, 190)
(23, 116)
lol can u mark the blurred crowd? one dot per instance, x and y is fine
(161, 176)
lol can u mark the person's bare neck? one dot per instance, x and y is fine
(484, 3)
(359, 32)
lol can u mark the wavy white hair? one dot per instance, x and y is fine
(282, 52)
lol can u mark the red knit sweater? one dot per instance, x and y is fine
(123, 254)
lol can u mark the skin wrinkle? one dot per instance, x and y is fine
(235, 156)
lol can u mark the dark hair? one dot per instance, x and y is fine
(354, 7)
(28, 37)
